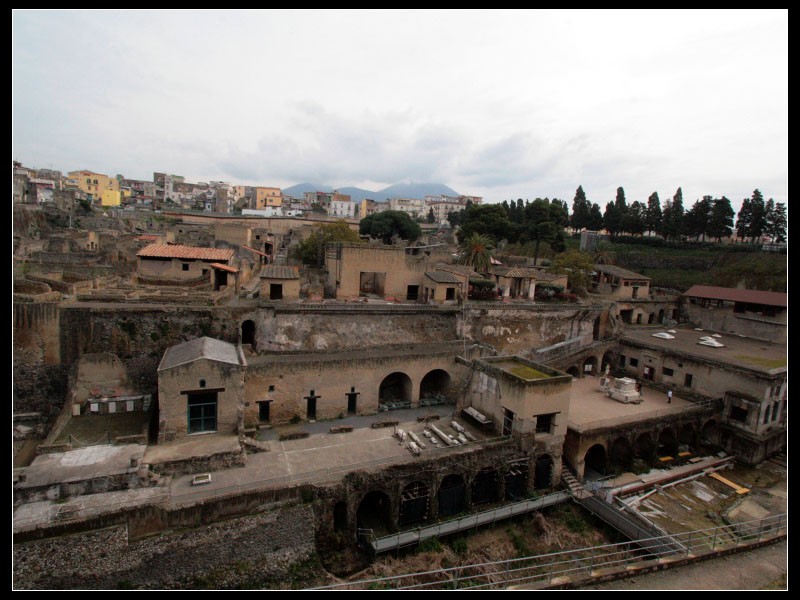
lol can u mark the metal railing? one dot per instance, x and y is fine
(472, 521)
(578, 565)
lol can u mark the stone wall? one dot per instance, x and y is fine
(250, 551)
(519, 330)
(746, 324)
(286, 381)
(278, 331)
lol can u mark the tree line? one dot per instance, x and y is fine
(545, 220)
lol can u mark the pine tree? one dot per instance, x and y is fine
(580, 211)
(776, 221)
(652, 217)
(758, 216)
(744, 219)
(720, 223)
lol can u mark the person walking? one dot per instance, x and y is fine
(669, 396)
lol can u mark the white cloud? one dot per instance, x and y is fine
(501, 103)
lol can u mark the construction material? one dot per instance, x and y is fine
(739, 489)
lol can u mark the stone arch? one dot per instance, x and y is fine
(485, 486)
(414, 503)
(517, 480)
(620, 453)
(686, 435)
(574, 371)
(661, 316)
(435, 385)
(340, 516)
(452, 495)
(375, 512)
(709, 434)
(590, 361)
(395, 387)
(644, 448)
(595, 460)
(667, 443)
(249, 333)
(543, 472)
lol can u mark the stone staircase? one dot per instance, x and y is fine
(576, 488)
(252, 446)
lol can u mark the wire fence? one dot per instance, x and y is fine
(581, 564)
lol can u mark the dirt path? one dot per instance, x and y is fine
(760, 569)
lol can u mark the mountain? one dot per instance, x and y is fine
(398, 190)
(414, 190)
(297, 191)
(358, 194)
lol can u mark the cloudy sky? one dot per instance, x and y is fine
(502, 104)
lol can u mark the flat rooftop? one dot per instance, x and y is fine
(320, 457)
(81, 465)
(738, 351)
(590, 408)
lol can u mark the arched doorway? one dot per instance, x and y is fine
(590, 366)
(249, 333)
(340, 516)
(414, 503)
(621, 454)
(485, 486)
(709, 434)
(644, 448)
(374, 512)
(434, 387)
(661, 316)
(543, 473)
(594, 462)
(574, 372)
(452, 495)
(395, 388)
(596, 329)
(517, 480)
(686, 436)
(667, 443)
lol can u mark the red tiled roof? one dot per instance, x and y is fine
(223, 267)
(187, 252)
(737, 295)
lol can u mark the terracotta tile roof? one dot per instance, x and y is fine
(187, 252)
(279, 272)
(222, 267)
(713, 292)
(442, 277)
(619, 272)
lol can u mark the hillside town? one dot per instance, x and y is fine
(213, 377)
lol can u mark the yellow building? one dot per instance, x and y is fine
(267, 196)
(110, 198)
(94, 184)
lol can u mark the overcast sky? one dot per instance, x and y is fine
(501, 104)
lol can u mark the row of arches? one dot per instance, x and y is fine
(420, 501)
(621, 452)
(397, 387)
(591, 365)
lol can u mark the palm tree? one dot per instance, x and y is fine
(476, 251)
